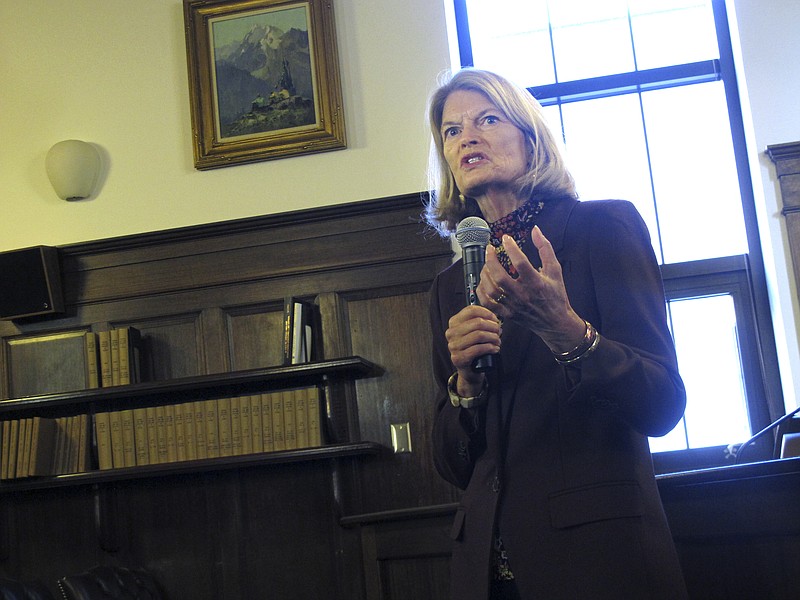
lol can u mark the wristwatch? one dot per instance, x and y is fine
(460, 401)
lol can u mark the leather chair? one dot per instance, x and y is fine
(18, 590)
(110, 583)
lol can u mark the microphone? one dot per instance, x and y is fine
(473, 235)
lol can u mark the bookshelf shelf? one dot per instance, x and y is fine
(208, 465)
(196, 387)
(189, 389)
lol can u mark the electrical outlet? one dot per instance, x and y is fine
(401, 437)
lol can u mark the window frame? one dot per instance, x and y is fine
(743, 276)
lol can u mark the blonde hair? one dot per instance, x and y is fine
(548, 174)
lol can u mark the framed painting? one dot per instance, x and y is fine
(263, 80)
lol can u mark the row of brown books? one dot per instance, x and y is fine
(268, 422)
(38, 446)
(113, 357)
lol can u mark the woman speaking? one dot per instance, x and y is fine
(550, 445)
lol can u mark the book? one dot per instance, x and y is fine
(84, 444)
(104, 343)
(301, 417)
(12, 450)
(114, 338)
(246, 425)
(224, 426)
(236, 426)
(42, 446)
(278, 442)
(46, 363)
(200, 443)
(102, 427)
(256, 426)
(6, 442)
(24, 449)
(130, 350)
(189, 431)
(68, 446)
(140, 439)
(169, 428)
(297, 331)
(289, 416)
(161, 434)
(151, 425)
(267, 435)
(180, 433)
(128, 438)
(92, 360)
(314, 415)
(211, 429)
(60, 458)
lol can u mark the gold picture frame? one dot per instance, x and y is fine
(263, 80)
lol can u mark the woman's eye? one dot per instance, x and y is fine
(491, 119)
(450, 132)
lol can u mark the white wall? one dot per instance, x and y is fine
(113, 72)
(768, 71)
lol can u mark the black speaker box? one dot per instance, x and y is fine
(30, 283)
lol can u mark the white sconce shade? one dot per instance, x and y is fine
(73, 167)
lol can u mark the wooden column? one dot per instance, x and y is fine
(787, 165)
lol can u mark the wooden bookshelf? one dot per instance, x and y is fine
(188, 389)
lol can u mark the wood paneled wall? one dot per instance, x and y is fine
(209, 299)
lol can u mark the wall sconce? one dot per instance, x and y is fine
(73, 167)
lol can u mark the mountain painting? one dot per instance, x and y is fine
(263, 78)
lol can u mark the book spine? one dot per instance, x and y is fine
(224, 425)
(301, 417)
(288, 329)
(84, 449)
(124, 360)
(92, 366)
(169, 427)
(31, 438)
(6, 446)
(289, 424)
(114, 337)
(314, 414)
(60, 458)
(102, 427)
(236, 426)
(128, 441)
(246, 425)
(161, 434)
(151, 428)
(141, 442)
(200, 440)
(180, 433)
(278, 441)
(256, 427)
(212, 429)
(267, 434)
(104, 339)
(188, 431)
(13, 449)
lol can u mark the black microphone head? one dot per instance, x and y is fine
(473, 231)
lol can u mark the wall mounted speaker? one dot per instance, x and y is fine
(30, 283)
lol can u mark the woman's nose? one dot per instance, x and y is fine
(469, 136)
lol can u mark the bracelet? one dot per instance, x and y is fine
(460, 401)
(582, 350)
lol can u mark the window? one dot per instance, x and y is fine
(644, 94)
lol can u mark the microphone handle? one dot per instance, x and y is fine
(474, 260)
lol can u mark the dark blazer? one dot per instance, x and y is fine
(559, 459)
